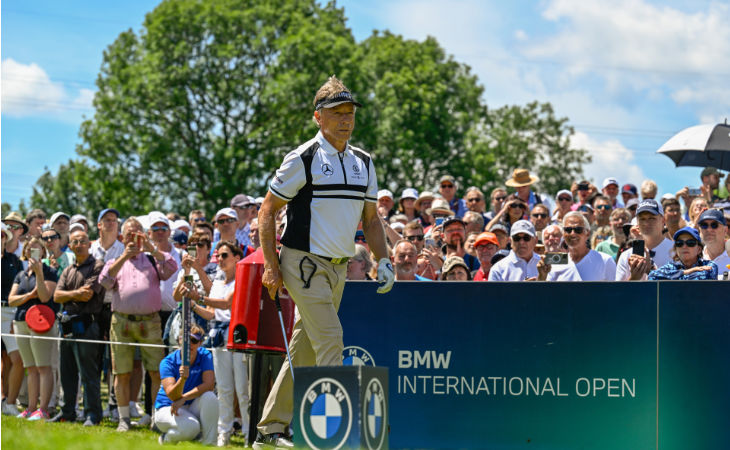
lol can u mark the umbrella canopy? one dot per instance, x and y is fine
(700, 146)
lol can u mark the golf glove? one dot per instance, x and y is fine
(386, 276)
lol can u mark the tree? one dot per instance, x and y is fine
(419, 105)
(529, 137)
(203, 103)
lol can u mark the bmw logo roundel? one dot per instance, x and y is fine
(374, 414)
(326, 414)
(327, 169)
(356, 356)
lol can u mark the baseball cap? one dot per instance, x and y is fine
(242, 200)
(453, 261)
(259, 200)
(585, 207)
(522, 226)
(76, 218)
(711, 171)
(712, 214)
(609, 181)
(103, 212)
(500, 255)
(564, 192)
(632, 202)
(75, 226)
(385, 193)
(486, 238)
(58, 215)
(499, 227)
(629, 189)
(182, 223)
(180, 237)
(448, 178)
(689, 230)
(452, 219)
(409, 193)
(230, 212)
(651, 206)
(157, 216)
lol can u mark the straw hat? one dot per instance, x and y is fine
(15, 217)
(425, 195)
(521, 177)
(439, 206)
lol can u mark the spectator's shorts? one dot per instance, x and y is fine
(147, 331)
(8, 341)
(35, 352)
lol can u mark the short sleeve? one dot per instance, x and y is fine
(371, 195)
(289, 178)
(50, 274)
(167, 367)
(207, 363)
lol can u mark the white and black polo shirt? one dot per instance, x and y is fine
(326, 191)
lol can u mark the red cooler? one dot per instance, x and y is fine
(254, 320)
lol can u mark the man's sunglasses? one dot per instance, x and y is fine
(521, 237)
(194, 340)
(706, 225)
(51, 238)
(79, 242)
(198, 244)
(576, 230)
(223, 255)
(359, 238)
(161, 228)
(517, 205)
(540, 215)
(199, 219)
(15, 227)
(690, 243)
(500, 199)
(228, 220)
(447, 186)
(603, 206)
(564, 199)
(473, 200)
(418, 237)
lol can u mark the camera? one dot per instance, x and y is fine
(556, 258)
(694, 192)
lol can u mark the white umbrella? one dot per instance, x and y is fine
(700, 146)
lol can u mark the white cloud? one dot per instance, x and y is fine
(27, 91)
(610, 158)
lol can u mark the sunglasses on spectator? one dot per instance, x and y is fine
(540, 215)
(603, 206)
(199, 244)
(633, 208)
(223, 255)
(160, 228)
(199, 219)
(690, 243)
(447, 186)
(15, 227)
(79, 242)
(517, 205)
(418, 237)
(228, 220)
(194, 340)
(563, 199)
(706, 225)
(576, 230)
(473, 200)
(55, 236)
(359, 238)
(521, 237)
(500, 199)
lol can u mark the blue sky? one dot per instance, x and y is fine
(627, 76)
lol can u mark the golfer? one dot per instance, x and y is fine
(329, 187)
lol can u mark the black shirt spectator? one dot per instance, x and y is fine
(26, 283)
(11, 266)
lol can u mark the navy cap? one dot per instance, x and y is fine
(452, 219)
(651, 206)
(180, 237)
(629, 189)
(712, 214)
(689, 230)
(101, 214)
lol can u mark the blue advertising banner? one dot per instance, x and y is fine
(532, 365)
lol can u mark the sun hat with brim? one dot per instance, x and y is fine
(337, 99)
(15, 217)
(486, 238)
(439, 206)
(40, 318)
(521, 177)
(687, 230)
(453, 261)
(7, 233)
(425, 195)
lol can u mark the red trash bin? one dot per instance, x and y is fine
(254, 323)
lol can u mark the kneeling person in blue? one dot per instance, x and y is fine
(186, 405)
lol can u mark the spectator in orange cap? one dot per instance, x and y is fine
(486, 246)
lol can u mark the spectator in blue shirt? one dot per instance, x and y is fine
(687, 264)
(186, 405)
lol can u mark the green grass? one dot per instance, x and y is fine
(22, 434)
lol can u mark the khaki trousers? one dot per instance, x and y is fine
(317, 335)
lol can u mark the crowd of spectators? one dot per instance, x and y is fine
(122, 280)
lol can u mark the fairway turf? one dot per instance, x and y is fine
(22, 434)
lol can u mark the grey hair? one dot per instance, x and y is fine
(586, 224)
(362, 254)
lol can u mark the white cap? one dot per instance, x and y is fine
(230, 212)
(522, 226)
(668, 196)
(58, 214)
(564, 191)
(609, 181)
(76, 226)
(385, 193)
(259, 200)
(397, 226)
(409, 193)
(155, 217)
(182, 223)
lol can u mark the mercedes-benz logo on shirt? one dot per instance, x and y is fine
(327, 169)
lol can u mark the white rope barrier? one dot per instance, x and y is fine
(87, 341)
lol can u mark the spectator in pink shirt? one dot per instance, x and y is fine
(134, 279)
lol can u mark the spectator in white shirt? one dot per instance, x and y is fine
(584, 264)
(521, 263)
(658, 249)
(713, 227)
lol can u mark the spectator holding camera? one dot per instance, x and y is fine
(657, 249)
(521, 262)
(32, 293)
(687, 263)
(81, 297)
(584, 264)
